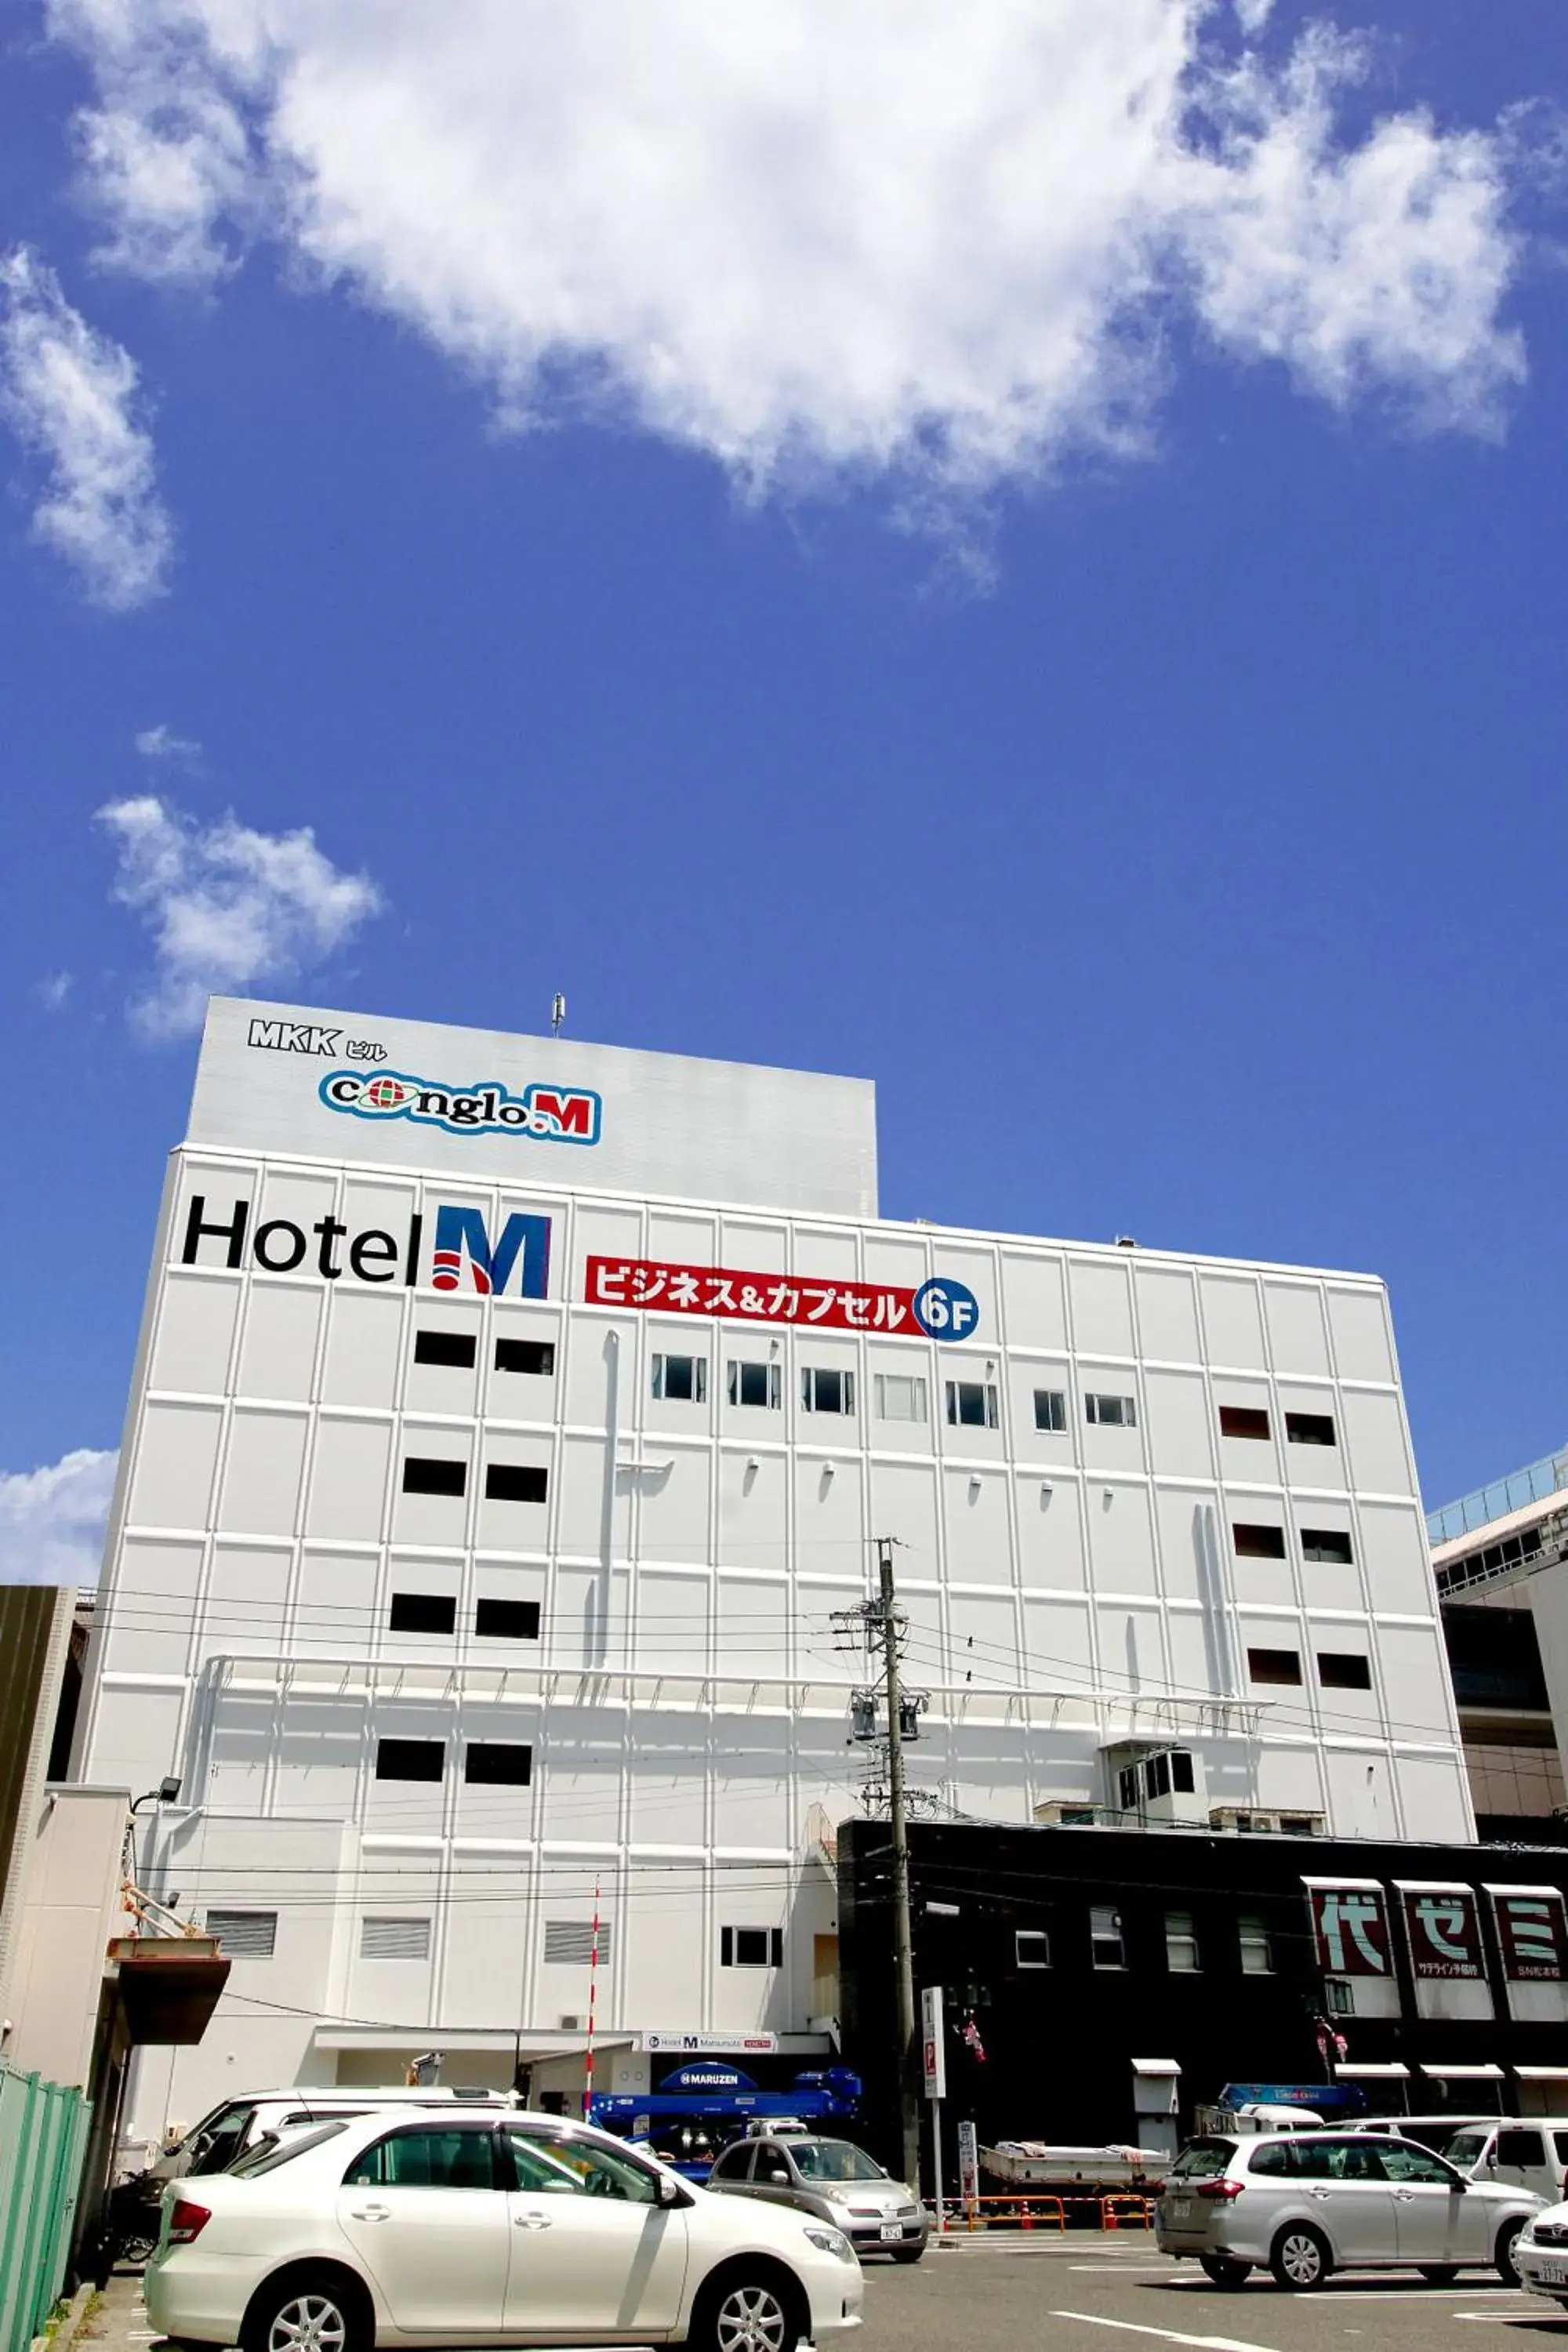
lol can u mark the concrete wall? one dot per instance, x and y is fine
(70, 1907)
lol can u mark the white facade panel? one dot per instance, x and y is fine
(474, 1540)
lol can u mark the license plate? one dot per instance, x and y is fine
(1181, 2209)
(1553, 2273)
(892, 2229)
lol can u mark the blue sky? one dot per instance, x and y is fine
(1024, 562)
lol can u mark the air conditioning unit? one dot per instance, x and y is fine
(1158, 1787)
(570, 2025)
(1261, 1821)
(1072, 1813)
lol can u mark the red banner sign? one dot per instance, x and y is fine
(1442, 1931)
(1531, 1931)
(751, 1298)
(1350, 1930)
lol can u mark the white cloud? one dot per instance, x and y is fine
(52, 1521)
(162, 743)
(941, 244)
(70, 394)
(53, 990)
(228, 907)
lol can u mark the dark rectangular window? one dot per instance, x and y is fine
(826, 1391)
(1182, 1772)
(426, 1474)
(1255, 1541)
(423, 1612)
(1274, 1665)
(456, 1347)
(756, 1384)
(751, 1948)
(516, 1481)
(409, 1759)
(1243, 1421)
(1309, 1428)
(1031, 1949)
(1112, 1412)
(1050, 1409)
(971, 1404)
(1106, 1947)
(536, 1356)
(1326, 1543)
(507, 1621)
(680, 1380)
(1344, 1670)
(1182, 1957)
(498, 1763)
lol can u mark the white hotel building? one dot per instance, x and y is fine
(510, 1418)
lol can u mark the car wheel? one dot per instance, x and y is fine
(1300, 2258)
(1439, 2273)
(308, 2311)
(1507, 2268)
(742, 2311)
(1224, 2270)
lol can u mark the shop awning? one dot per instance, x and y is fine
(1382, 2070)
(1463, 2074)
(168, 1985)
(1542, 2073)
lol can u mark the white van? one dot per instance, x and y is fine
(1432, 2131)
(238, 2123)
(1516, 2153)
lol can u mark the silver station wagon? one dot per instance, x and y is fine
(1313, 2203)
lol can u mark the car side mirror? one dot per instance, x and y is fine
(1459, 2188)
(669, 2191)
(781, 2176)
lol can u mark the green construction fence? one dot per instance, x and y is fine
(42, 2141)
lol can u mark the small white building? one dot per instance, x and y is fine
(512, 1417)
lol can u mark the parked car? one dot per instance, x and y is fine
(1521, 2155)
(1320, 2202)
(465, 2227)
(227, 2130)
(835, 2180)
(1541, 2254)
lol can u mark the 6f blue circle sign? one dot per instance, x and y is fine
(945, 1309)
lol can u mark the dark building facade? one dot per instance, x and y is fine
(1070, 1959)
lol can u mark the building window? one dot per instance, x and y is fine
(455, 1348)
(1180, 1944)
(245, 1934)
(1255, 1540)
(1274, 1665)
(751, 1948)
(423, 1612)
(1243, 1421)
(1327, 1543)
(1343, 1670)
(426, 1474)
(1106, 1947)
(507, 1621)
(1171, 1769)
(1299, 1824)
(569, 1943)
(971, 1404)
(1309, 1428)
(409, 1759)
(680, 1380)
(498, 1764)
(900, 1396)
(756, 1384)
(1050, 1409)
(1127, 1788)
(1257, 1946)
(534, 1356)
(516, 1481)
(394, 1940)
(822, 1391)
(1112, 1412)
(1031, 1949)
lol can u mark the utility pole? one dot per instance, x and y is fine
(903, 1951)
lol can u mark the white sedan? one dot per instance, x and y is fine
(393, 2229)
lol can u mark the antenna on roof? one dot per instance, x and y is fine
(557, 1013)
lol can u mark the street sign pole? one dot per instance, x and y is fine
(934, 2051)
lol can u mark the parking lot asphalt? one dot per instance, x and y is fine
(1085, 2294)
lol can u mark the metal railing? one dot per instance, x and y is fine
(43, 2139)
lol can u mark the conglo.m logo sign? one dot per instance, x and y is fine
(549, 1114)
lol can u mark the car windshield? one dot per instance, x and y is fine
(270, 2153)
(1466, 2147)
(1201, 2159)
(833, 2159)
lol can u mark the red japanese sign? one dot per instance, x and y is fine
(752, 1297)
(1350, 1930)
(1531, 1931)
(1442, 1931)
